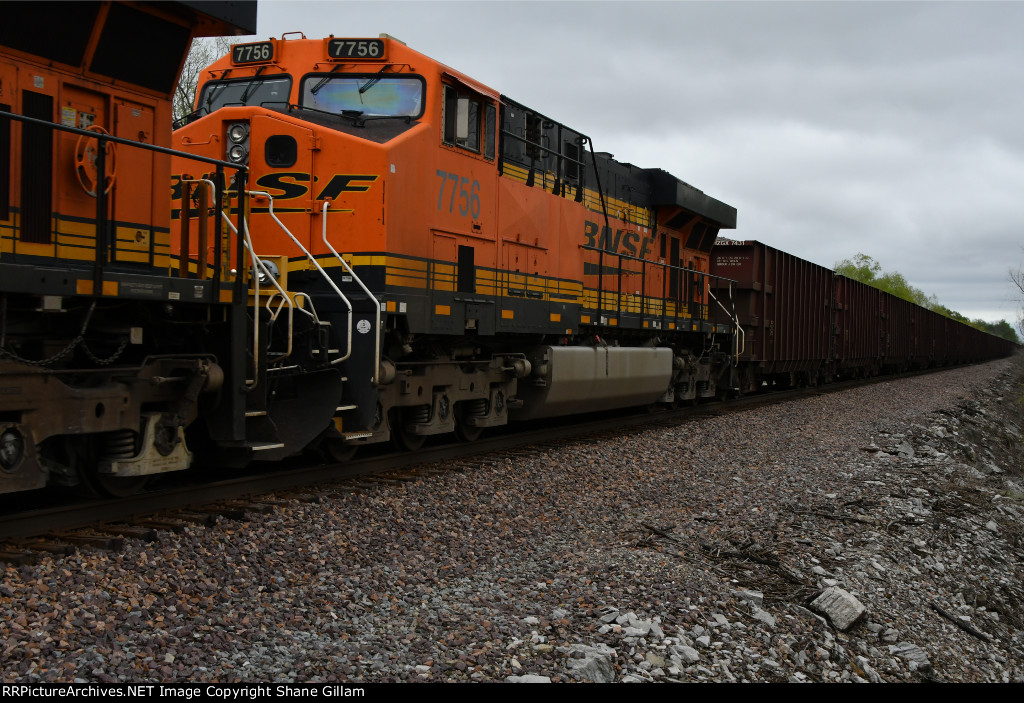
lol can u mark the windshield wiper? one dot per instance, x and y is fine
(368, 84)
(355, 115)
(320, 84)
(377, 118)
(373, 81)
(217, 90)
(252, 84)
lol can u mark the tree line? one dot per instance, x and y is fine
(866, 270)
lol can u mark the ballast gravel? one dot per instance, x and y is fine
(697, 552)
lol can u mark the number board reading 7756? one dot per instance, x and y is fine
(369, 49)
(257, 52)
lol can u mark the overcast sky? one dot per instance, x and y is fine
(895, 129)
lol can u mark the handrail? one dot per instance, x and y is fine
(607, 224)
(630, 257)
(737, 343)
(257, 263)
(309, 301)
(642, 272)
(285, 300)
(201, 245)
(103, 217)
(376, 302)
(312, 259)
(121, 140)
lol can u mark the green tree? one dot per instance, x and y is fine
(866, 270)
(860, 268)
(203, 52)
(1000, 329)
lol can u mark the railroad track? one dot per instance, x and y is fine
(105, 524)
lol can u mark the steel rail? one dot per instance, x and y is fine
(99, 513)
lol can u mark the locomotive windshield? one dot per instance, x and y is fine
(372, 95)
(254, 91)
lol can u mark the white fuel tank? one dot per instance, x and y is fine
(571, 380)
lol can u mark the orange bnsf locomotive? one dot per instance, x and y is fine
(469, 259)
(107, 354)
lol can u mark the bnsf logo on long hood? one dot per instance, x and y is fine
(619, 241)
(289, 186)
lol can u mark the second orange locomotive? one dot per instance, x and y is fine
(470, 259)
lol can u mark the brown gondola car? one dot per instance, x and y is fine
(803, 324)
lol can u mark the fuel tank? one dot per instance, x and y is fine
(571, 380)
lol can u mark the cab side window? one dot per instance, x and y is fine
(469, 123)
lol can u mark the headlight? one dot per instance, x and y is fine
(238, 132)
(238, 154)
(238, 142)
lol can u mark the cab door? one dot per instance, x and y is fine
(465, 180)
(462, 207)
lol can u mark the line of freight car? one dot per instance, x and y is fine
(805, 324)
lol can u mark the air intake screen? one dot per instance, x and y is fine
(36, 172)
(30, 27)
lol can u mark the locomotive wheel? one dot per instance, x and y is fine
(400, 437)
(83, 457)
(466, 409)
(466, 433)
(338, 449)
(120, 486)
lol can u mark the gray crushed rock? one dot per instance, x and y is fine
(596, 664)
(527, 678)
(841, 607)
(543, 566)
